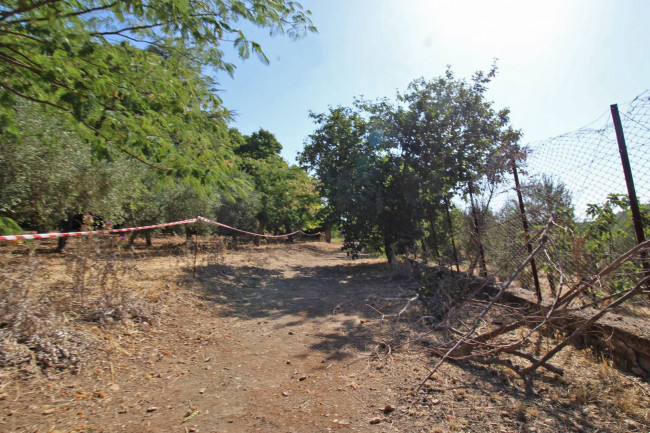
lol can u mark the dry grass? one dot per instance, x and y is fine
(114, 316)
(50, 303)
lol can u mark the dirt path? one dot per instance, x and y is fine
(289, 338)
(299, 355)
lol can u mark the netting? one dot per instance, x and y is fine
(578, 179)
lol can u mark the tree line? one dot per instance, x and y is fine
(112, 108)
(51, 176)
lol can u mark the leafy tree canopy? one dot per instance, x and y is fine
(385, 168)
(51, 175)
(287, 196)
(134, 76)
(259, 145)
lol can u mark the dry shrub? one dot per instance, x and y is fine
(42, 310)
(32, 330)
(127, 307)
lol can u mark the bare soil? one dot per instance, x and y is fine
(291, 338)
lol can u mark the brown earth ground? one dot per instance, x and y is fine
(288, 338)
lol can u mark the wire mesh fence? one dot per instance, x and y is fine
(577, 179)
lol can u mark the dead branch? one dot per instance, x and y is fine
(497, 297)
(582, 328)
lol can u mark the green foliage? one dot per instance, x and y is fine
(611, 230)
(259, 145)
(50, 174)
(287, 195)
(386, 170)
(9, 227)
(134, 76)
(542, 198)
(611, 233)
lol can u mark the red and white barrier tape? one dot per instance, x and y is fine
(133, 229)
(244, 231)
(92, 232)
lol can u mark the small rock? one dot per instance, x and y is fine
(375, 421)
(152, 409)
(49, 411)
(435, 401)
(288, 362)
(202, 391)
(290, 332)
(285, 393)
(301, 378)
(389, 408)
(505, 414)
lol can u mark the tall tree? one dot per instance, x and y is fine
(371, 194)
(386, 168)
(259, 145)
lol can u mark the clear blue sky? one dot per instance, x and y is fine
(561, 63)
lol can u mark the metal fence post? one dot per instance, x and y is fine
(629, 181)
(524, 222)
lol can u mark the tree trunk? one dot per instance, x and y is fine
(390, 253)
(260, 229)
(61, 244)
(451, 233)
(477, 227)
(432, 222)
(328, 234)
(425, 251)
(132, 238)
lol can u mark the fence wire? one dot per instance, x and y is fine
(578, 178)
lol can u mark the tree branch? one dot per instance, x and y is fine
(26, 8)
(92, 128)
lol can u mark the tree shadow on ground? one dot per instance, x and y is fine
(251, 292)
(340, 297)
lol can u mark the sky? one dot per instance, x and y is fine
(561, 63)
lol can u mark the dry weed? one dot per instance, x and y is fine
(41, 306)
(33, 330)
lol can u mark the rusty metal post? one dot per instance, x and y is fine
(629, 181)
(524, 222)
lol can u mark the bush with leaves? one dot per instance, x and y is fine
(50, 175)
